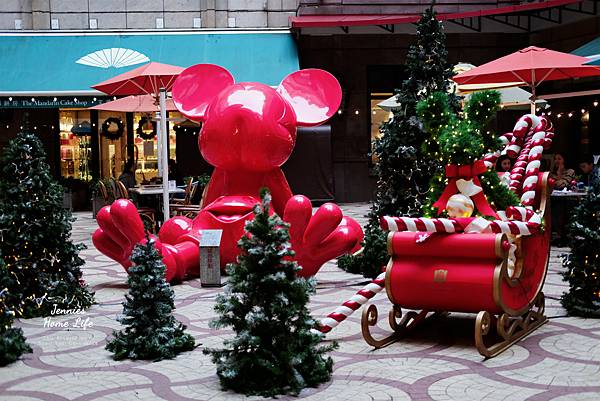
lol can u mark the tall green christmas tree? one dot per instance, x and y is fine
(152, 331)
(583, 263)
(35, 230)
(12, 341)
(408, 158)
(274, 350)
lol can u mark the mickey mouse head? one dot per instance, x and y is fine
(249, 125)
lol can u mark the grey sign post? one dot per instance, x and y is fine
(210, 263)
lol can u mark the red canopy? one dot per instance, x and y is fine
(134, 104)
(147, 79)
(532, 65)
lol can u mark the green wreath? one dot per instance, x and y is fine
(114, 135)
(140, 132)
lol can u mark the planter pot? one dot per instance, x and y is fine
(80, 200)
(68, 200)
(97, 203)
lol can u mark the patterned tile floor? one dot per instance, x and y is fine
(560, 361)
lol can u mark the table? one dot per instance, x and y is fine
(562, 206)
(567, 194)
(154, 190)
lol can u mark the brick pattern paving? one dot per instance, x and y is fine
(560, 361)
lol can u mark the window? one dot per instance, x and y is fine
(378, 117)
(146, 146)
(75, 144)
(113, 152)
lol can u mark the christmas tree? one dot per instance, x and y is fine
(35, 234)
(407, 157)
(12, 341)
(463, 141)
(583, 263)
(152, 331)
(274, 350)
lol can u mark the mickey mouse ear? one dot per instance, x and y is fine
(315, 95)
(196, 86)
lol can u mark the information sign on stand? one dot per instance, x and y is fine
(210, 263)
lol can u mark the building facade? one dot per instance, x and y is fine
(144, 14)
(364, 44)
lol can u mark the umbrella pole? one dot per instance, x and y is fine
(533, 99)
(164, 136)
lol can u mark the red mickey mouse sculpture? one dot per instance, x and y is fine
(248, 132)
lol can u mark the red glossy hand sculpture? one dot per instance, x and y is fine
(248, 132)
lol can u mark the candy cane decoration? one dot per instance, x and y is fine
(540, 140)
(519, 213)
(520, 131)
(490, 159)
(481, 225)
(476, 225)
(353, 304)
(518, 171)
(431, 225)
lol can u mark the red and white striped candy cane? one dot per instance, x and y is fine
(520, 131)
(540, 140)
(490, 159)
(533, 168)
(481, 225)
(353, 304)
(519, 213)
(414, 224)
(518, 171)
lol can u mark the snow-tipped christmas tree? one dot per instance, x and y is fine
(152, 331)
(274, 351)
(35, 231)
(583, 263)
(12, 341)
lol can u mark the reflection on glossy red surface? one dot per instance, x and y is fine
(248, 132)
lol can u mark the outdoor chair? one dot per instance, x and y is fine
(186, 208)
(104, 193)
(147, 214)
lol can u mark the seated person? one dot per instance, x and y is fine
(127, 177)
(590, 173)
(503, 167)
(563, 177)
(503, 164)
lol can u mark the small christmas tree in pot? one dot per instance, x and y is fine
(12, 341)
(152, 331)
(274, 351)
(35, 231)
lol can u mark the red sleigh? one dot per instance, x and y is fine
(495, 269)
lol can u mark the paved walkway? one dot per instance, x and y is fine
(560, 361)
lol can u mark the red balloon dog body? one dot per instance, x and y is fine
(248, 132)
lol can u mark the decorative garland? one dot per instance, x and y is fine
(140, 132)
(112, 135)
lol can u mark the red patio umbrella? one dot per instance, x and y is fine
(532, 66)
(153, 79)
(147, 79)
(134, 104)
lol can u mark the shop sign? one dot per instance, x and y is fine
(49, 102)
